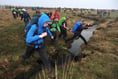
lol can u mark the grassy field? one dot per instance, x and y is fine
(101, 61)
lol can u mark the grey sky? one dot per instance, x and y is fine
(97, 4)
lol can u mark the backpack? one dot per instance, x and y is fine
(76, 26)
(34, 20)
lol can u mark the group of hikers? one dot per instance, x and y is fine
(22, 13)
(47, 24)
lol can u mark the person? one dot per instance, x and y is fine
(25, 16)
(109, 12)
(34, 40)
(37, 13)
(55, 14)
(77, 29)
(63, 27)
(20, 13)
(13, 10)
(54, 27)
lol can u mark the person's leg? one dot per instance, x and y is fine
(14, 16)
(55, 35)
(83, 39)
(44, 57)
(61, 32)
(29, 51)
(46, 62)
(64, 34)
(74, 36)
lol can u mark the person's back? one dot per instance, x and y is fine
(62, 20)
(77, 27)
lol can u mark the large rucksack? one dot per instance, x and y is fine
(76, 26)
(33, 21)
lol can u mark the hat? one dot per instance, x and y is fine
(23, 9)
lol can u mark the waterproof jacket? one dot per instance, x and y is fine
(32, 38)
(13, 9)
(62, 20)
(55, 14)
(26, 17)
(55, 26)
(77, 28)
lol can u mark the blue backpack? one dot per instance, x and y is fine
(76, 26)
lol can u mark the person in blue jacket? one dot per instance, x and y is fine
(77, 29)
(34, 40)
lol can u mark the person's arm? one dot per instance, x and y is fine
(30, 35)
(65, 26)
(84, 28)
(49, 33)
(58, 27)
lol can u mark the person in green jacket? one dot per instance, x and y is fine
(63, 27)
(54, 27)
(20, 12)
(13, 10)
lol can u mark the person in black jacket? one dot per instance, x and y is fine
(26, 17)
(77, 29)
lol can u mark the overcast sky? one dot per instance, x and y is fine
(96, 4)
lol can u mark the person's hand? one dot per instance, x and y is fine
(52, 37)
(88, 24)
(67, 28)
(43, 35)
(24, 30)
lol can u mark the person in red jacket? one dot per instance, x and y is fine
(55, 14)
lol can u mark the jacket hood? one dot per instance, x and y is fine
(43, 19)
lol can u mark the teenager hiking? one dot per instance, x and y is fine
(55, 14)
(13, 10)
(54, 27)
(34, 41)
(25, 16)
(63, 27)
(20, 12)
(77, 29)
